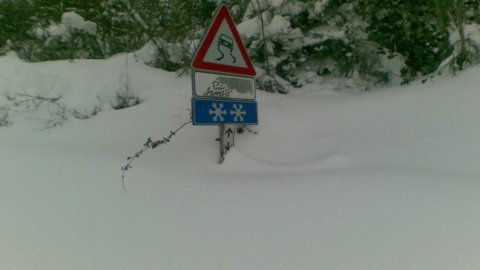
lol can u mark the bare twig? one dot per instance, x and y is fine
(149, 144)
(249, 130)
(37, 100)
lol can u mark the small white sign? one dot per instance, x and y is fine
(223, 86)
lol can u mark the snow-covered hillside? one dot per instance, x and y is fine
(385, 179)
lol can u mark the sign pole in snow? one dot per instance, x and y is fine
(223, 86)
(227, 139)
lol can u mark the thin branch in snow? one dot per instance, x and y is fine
(149, 144)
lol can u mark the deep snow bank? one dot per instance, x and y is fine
(386, 179)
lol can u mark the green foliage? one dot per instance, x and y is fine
(409, 27)
(347, 38)
(327, 38)
(16, 19)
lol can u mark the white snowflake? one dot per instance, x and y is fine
(217, 112)
(238, 113)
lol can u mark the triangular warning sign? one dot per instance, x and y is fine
(222, 49)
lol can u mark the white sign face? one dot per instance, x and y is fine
(223, 86)
(225, 49)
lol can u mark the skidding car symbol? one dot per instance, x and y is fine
(227, 42)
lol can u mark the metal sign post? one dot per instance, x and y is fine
(223, 85)
(227, 139)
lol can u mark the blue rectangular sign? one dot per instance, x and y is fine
(221, 111)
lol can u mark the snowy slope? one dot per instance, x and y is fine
(386, 179)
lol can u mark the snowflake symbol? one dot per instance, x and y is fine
(217, 112)
(238, 112)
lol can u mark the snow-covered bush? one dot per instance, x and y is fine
(124, 96)
(167, 27)
(4, 117)
(74, 38)
(324, 37)
(465, 53)
(469, 52)
(373, 41)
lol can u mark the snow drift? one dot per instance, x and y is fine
(386, 179)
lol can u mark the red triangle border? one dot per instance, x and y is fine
(199, 62)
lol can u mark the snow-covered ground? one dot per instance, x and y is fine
(385, 179)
